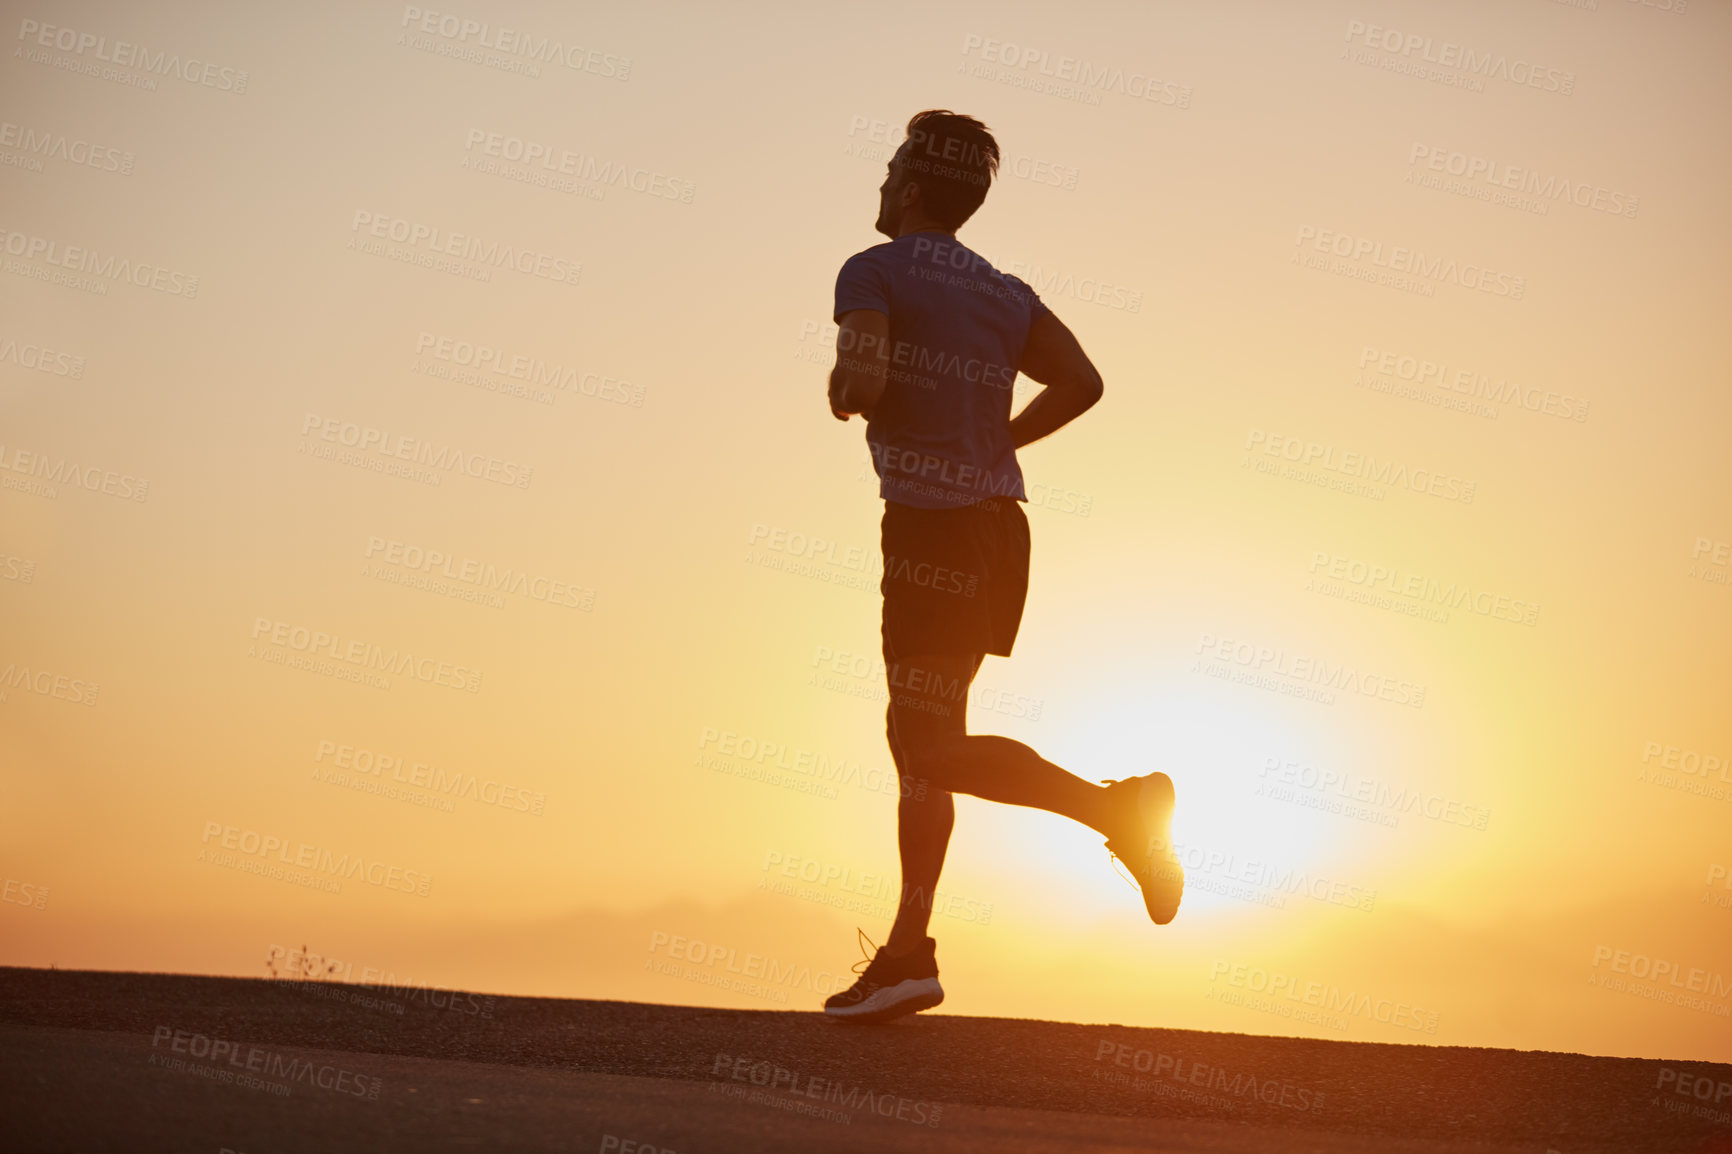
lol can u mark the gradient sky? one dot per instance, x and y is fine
(1520, 841)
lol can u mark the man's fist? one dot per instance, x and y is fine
(837, 387)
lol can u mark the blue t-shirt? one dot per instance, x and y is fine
(940, 435)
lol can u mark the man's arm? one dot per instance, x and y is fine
(1053, 357)
(862, 356)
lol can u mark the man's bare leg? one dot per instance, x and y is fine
(936, 757)
(924, 818)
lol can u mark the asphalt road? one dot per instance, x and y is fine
(145, 1062)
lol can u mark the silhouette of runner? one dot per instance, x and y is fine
(931, 340)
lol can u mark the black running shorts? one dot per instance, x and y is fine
(954, 579)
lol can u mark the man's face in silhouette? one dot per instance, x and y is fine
(890, 195)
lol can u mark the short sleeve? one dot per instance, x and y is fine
(861, 285)
(1036, 306)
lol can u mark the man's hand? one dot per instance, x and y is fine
(862, 359)
(838, 384)
(1053, 358)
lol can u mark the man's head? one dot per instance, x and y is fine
(939, 176)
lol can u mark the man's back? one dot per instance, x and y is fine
(940, 434)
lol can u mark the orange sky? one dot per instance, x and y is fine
(384, 485)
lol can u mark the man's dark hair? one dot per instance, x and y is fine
(953, 159)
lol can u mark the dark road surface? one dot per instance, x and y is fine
(146, 1062)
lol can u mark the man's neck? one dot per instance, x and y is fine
(924, 226)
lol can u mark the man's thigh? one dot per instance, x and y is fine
(928, 700)
(955, 580)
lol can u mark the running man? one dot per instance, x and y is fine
(931, 340)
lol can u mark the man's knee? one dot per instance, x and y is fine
(928, 761)
(933, 685)
(927, 715)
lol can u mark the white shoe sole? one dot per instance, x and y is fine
(908, 997)
(1156, 800)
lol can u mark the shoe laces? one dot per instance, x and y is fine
(1119, 868)
(1118, 862)
(866, 959)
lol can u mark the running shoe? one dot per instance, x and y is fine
(1148, 850)
(890, 986)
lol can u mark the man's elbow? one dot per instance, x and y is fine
(1089, 389)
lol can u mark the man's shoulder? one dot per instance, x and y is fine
(871, 255)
